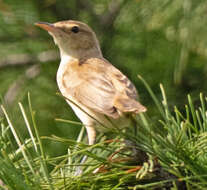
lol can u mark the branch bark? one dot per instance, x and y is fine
(16, 87)
(108, 18)
(24, 59)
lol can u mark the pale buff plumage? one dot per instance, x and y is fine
(94, 88)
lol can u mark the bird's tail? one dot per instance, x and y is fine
(125, 104)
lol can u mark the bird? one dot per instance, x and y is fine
(101, 96)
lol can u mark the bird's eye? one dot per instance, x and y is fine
(75, 29)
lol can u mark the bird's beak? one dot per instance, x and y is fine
(46, 26)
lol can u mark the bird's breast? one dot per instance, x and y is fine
(60, 78)
(67, 77)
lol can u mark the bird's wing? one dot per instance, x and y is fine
(126, 96)
(104, 89)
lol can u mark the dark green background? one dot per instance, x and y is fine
(163, 41)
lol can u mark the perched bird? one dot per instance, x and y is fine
(100, 95)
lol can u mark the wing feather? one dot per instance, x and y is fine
(103, 88)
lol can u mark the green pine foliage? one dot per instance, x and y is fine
(175, 145)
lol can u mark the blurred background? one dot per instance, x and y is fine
(164, 41)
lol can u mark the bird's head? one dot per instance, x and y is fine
(73, 38)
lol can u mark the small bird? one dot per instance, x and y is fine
(99, 94)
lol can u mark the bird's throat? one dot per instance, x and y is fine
(65, 58)
(80, 55)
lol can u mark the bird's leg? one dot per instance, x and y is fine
(91, 135)
(91, 139)
(91, 132)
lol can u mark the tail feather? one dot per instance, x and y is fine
(125, 104)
